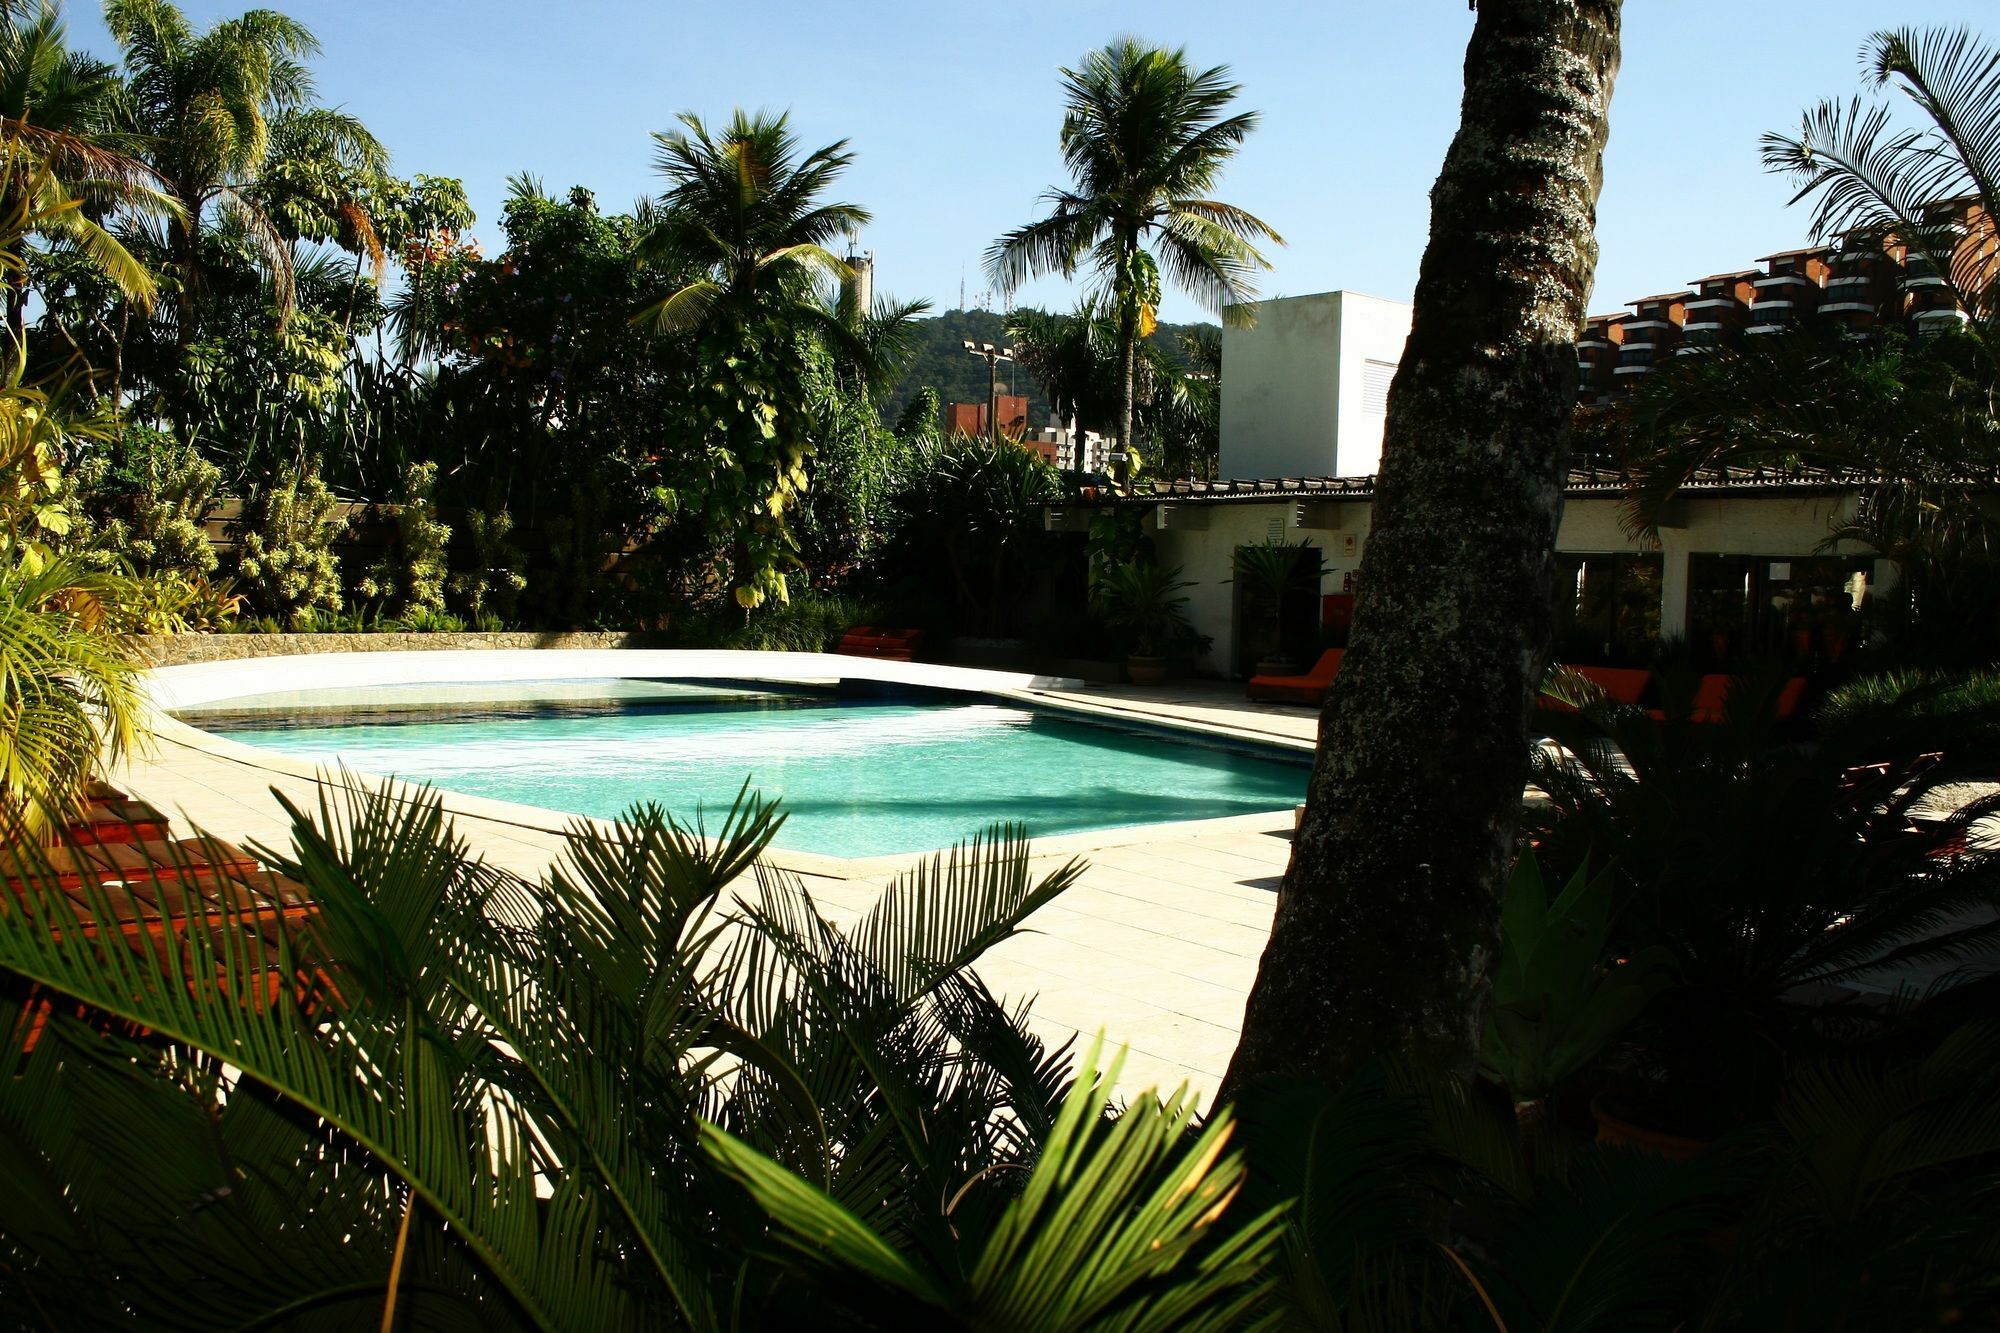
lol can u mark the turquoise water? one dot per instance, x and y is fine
(857, 778)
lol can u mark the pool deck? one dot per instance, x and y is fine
(1156, 945)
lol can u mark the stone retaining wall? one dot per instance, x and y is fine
(177, 649)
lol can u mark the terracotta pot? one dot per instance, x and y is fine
(1614, 1129)
(1146, 670)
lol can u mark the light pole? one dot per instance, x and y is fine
(992, 356)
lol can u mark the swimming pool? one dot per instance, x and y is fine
(859, 777)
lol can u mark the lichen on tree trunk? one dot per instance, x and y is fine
(1388, 917)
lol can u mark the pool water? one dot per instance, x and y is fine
(857, 777)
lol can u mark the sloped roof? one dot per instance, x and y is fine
(1582, 481)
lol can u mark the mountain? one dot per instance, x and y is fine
(943, 363)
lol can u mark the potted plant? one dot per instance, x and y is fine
(1144, 600)
(1271, 571)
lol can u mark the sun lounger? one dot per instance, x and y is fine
(1310, 688)
(1621, 685)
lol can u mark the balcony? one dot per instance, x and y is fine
(1847, 308)
(1649, 322)
(1919, 272)
(1634, 368)
(1712, 301)
(1777, 280)
(1771, 316)
(1846, 280)
(1697, 330)
(1593, 344)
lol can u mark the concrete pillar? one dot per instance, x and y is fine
(1673, 584)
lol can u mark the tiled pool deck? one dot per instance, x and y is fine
(1157, 944)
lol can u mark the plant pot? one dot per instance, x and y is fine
(1614, 1128)
(1146, 670)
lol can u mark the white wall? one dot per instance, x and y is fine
(1775, 525)
(1294, 385)
(1371, 330)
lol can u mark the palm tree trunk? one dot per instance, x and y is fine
(1128, 368)
(353, 291)
(118, 355)
(1387, 921)
(185, 242)
(17, 317)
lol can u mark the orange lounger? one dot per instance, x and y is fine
(1711, 700)
(1310, 688)
(1621, 685)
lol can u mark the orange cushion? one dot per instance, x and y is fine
(1625, 685)
(1307, 689)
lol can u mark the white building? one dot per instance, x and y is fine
(1741, 554)
(1306, 387)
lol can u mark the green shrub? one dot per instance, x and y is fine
(490, 591)
(288, 569)
(146, 502)
(811, 622)
(410, 577)
(426, 620)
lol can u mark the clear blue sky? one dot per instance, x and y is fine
(952, 111)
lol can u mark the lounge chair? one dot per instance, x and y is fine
(1621, 685)
(1310, 688)
(1711, 700)
(899, 645)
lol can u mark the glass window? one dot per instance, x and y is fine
(1805, 610)
(1607, 609)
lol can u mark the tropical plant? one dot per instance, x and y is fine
(491, 588)
(743, 229)
(69, 691)
(411, 576)
(1272, 571)
(1145, 600)
(1075, 359)
(207, 108)
(620, 1102)
(969, 509)
(37, 509)
(1558, 998)
(148, 498)
(1145, 137)
(919, 420)
(287, 530)
(62, 159)
(1768, 869)
(1878, 179)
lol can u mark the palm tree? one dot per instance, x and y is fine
(69, 691)
(1875, 176)
(743, 231)
(204, 105)
(64, 158)
(742, 214)
(1075, 358)
(1389, 917)
(1145, 137)
(325, 178)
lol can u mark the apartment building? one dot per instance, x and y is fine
(1868, 282)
